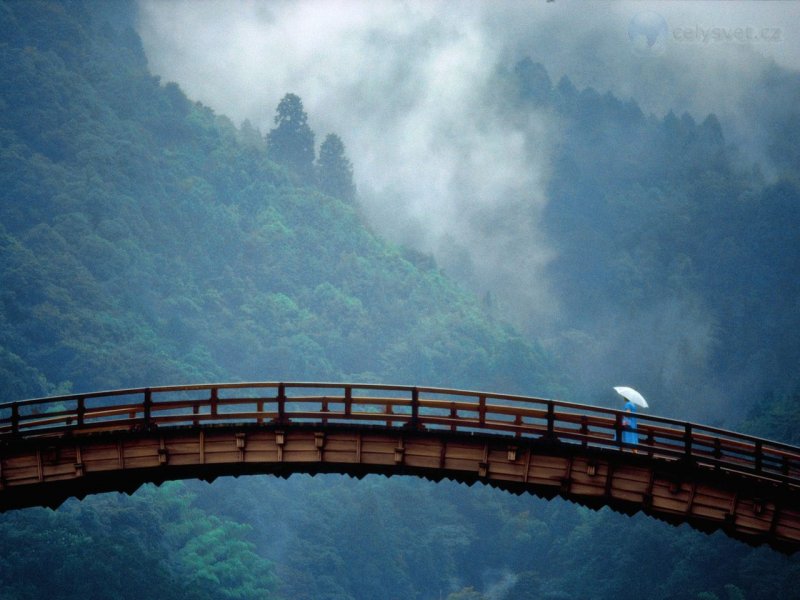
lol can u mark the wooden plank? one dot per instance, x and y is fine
(507, 469)
(178, 460)
(709, 513)
(260, 456)
(20, 461)
(505, 476)
(458, 450)
(668, 505)
(222, 457)
(541, 463)
(669, 491)
(788, 525)
(120, 455)
(426, 461)
(130, 450)
(139, 462)
(629, 485)
(555, 466)
(583, 489)
(263, 445)
(461, 465)
(626, 496)
(303, 455)
(527, 470)
(192, 449)
(56, 471)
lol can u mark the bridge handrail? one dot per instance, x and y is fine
(526, 417)
(378, 387)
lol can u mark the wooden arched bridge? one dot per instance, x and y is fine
(74, 445)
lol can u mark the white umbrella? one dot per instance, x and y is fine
(632, 395)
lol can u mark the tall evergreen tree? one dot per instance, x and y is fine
(291, 143)
(334, 170)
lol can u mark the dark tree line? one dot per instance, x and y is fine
(291, 143)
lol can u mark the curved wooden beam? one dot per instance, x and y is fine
(55, 448)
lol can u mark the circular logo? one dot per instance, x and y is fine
(648, 33)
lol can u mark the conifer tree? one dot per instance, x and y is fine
(291, 142)
(334, 170)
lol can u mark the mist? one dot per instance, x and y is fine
(411, 89)
(407, 87)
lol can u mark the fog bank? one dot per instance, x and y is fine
(411, 89)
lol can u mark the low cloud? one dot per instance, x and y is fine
(411, 87)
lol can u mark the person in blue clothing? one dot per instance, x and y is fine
(629, 435)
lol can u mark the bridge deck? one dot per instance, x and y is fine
(54, 448)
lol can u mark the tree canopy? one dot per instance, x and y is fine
(291, 142)
(334, 170)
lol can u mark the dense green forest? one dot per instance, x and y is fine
(146, 240)
(676, 263)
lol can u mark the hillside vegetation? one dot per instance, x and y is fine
(146, 240)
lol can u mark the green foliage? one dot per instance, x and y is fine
(526, 587)
(145, 546)
(145, 240)
(672, 260)
(777, 418)
(334, 170)
(734, 593)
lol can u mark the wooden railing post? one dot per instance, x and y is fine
(414, 409)
(759, 455)
(687, 441)
(348, 401)
(551, 420)
(584, 431)
(213, 400)
(618, 429)
(15, 417)
(281, 398)
(81, 410)
(148, 405)
(650, 441)
(482, 410)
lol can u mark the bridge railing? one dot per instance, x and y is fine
(402, 407)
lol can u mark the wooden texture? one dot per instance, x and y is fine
(55, 448)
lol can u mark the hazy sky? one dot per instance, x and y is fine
(408, 86)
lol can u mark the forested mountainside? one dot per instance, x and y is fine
(676, 262)
(145, 239)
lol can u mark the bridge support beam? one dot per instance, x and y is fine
(674, 491)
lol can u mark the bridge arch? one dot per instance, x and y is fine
(55, 448)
